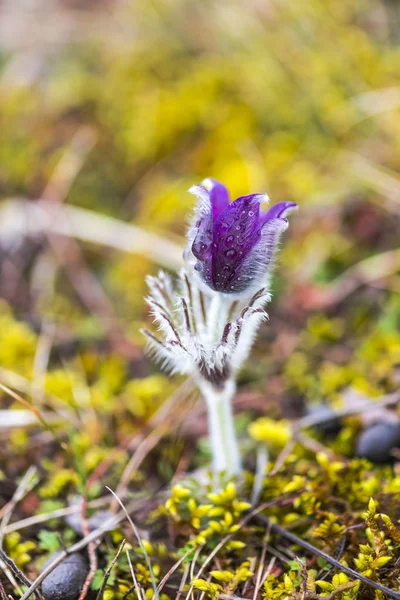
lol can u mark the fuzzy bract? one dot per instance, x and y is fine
(232, 245)
(196, 339)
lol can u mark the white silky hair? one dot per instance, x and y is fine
(190, 340)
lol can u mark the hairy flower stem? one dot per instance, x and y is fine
(224, 446)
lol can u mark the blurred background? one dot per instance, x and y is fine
(111, 109)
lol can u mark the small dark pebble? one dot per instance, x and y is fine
(377, 441)
(331, 424)
(66, 581)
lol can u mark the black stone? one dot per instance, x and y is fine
(377, 441)
(66, 581)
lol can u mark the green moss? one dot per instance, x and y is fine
(18, 344)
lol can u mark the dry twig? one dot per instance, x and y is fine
(20, 217)
(136, 586)
(91, 552)
(3, 595)
(93, 536)
(164, 418)
(108, 571)
(139, 539)
(36, 412)
(329, 559)
(11, 564)
(24, 486)
(315, 420)
(54, 514)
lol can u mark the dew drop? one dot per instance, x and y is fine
(229, 239)
(224, 226)
(230, 253)
(237, 227)
(199, 249)
(251, 213)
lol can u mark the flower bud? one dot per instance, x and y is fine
(232, 245)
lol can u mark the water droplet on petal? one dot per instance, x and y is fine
(229, 239)
(224, 226)
(230, 253)
(251, 213)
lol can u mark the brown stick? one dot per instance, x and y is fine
(93, 536)
(3, 595)
(109, 568)
(67, 250)
(329, 559)
(19, 574)
(314, 420)
(91, 551)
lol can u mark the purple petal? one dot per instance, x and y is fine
(276, 212)
(255, 197)
(270, 234)
(202, 243)
(219, 197)
(235, 232)
(260, 259)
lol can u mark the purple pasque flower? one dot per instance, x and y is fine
(232, 245)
